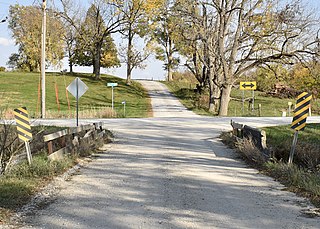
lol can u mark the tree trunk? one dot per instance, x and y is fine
(213, 97)
(224, 100)
(96, 62)
(70, 62)
(70, 67)
(170, 73)
(129, 70)
(129, 56)
(170, 61)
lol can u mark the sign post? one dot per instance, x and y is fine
(299, 119)
(124, 108)
(112, 85)
(24, 129)
(77, 88)
(289, 108)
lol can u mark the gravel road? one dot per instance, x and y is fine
(172, 171)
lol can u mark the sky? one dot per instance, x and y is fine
(154, 69)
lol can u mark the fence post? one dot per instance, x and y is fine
(50, 147)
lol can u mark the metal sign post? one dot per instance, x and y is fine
(293, 147)
(251, 86)
(299, 119)
(77, 88)
(112, 85)
(289, 108)
(124, 108)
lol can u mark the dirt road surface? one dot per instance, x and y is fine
(172, 172)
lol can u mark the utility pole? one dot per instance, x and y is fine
(43, 60)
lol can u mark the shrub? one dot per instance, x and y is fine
(250, 151)
(295, 177)
(9, 145)
(41, 167)
(2, 69)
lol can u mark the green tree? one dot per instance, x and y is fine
(165, 35)
(92, 48)
(102, 19)
(136, 18)
(25, 24)
(267, 77)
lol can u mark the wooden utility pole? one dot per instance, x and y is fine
(43, 60)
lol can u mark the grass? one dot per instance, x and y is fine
(21, 89)
(297, 180)
(302, 177)
(276, 135)
(20, 183)
(185, 92)
(270, 106)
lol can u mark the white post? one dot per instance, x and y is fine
(252, 100)
(293, 147)
(43, 61)
(112, 98)
(29, 156)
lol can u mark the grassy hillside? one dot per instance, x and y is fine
(21, 89)
(270, 106)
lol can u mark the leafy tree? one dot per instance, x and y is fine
(91, 48)
(165, 34)
(267, 77)
(25, 24)
(136, 17)
(305, 77)
(102, 19)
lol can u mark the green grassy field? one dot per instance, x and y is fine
(21, 89)
(270, 106)
(278, 134)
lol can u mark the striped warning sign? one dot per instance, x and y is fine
(301, 111)
(23, 124)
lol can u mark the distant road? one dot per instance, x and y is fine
(172, 171)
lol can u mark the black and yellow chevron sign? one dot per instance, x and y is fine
(23, 124)
(301, 111)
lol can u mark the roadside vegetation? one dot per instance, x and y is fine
(184, 86)
(265, 38)
(19, 181)
(301, 177)
(95, 103)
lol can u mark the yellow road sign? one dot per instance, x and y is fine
(301, 111)
(23, 124)
(250, 85)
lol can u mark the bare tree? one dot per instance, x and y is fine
(240, 35)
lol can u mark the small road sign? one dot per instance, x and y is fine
(77, 88)
(299, 119)
(24, 129)
(23, 124)
(301, 111)
(112, 84)
(251, 85)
